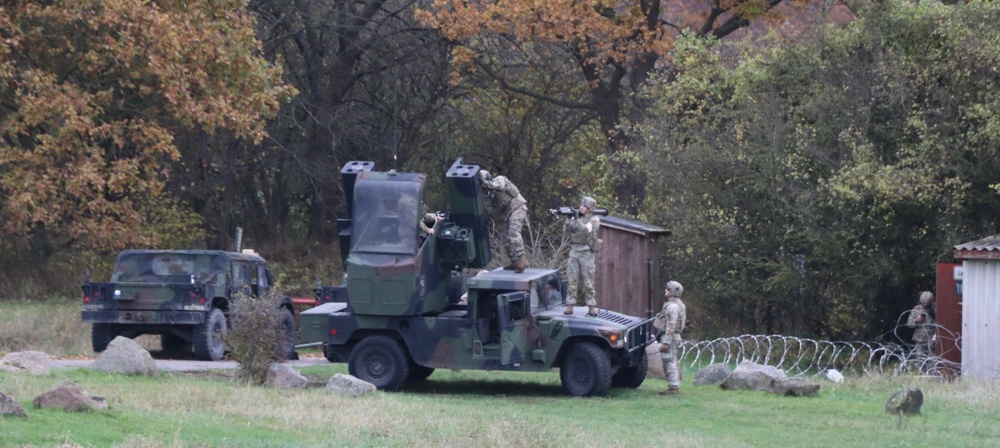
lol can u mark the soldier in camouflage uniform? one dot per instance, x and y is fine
(922, 320)
(505, 203)
(670, 322)
(583, 244)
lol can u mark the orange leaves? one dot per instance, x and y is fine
(93, 92)
(600, 29)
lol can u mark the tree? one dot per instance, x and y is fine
(614, 45)
(812, 187)
(93, 94)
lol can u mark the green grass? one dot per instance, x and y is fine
(474, 408)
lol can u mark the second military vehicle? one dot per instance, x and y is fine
(401, 313)
(183, 296)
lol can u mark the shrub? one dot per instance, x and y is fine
(254, 341)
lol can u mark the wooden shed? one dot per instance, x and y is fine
(627, 277)
(980, 307)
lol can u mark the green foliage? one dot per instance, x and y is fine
(813, 186)
(254, 340)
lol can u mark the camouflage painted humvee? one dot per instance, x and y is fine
(183, 296)
(400, 314)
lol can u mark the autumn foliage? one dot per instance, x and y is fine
(93, 91)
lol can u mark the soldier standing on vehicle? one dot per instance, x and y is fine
(670, 322)
(583, 245)
(505, 203)
(922, 320)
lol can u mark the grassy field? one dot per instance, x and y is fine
(468, 408)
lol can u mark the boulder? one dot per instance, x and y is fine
(348, 385)
(124, 355)
(654, 368)
(905, 402)
(752, 376)
(712, 374)
(795, 386)
(67, 395)
(9, 406)
(30, 361)
(284, 376)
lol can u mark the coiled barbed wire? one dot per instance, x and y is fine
(804, 356)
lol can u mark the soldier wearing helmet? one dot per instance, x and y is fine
(583, 245)
(670, 322)
(922, 321)
(505, 203)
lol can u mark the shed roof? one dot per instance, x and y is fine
(633, 226)
(987, 248)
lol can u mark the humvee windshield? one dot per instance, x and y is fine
(385, 217)
(169, 267)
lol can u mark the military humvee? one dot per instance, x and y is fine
(400, 316)
(183, 296)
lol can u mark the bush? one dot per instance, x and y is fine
(254, 341)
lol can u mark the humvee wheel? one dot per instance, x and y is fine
(586, 371)
(209, 337)
(631, 377)
(287, 322)
(419, 372)
(101, 335)
(170, 342)
(380, 360)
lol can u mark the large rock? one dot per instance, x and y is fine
(907, 401)
(795, 386)
(348, 385)
(124, 355)
(752, 376)
(284, 376)
(712, 374)
(34, 362)
(67, 395)
(9, 406)
(654, 368)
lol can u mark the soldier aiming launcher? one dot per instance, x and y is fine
(575, 213)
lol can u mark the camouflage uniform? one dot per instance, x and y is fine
(580, 267)
(922, 320)
(505, 203)
(671, 321)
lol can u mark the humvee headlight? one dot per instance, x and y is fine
(118, 293)
(613, 336)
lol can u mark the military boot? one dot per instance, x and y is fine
(511, 266)
(521, 264)
(592, 311)
(672, 390)
(569, 310)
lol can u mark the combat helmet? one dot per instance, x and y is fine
(675, 288)
(926, 298)
(589, 202)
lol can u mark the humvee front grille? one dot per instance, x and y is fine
(641, 335)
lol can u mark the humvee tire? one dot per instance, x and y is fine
(380, 360)
(287, 322)
(209, 337)
(101, 335)
(170, 342)
(586, 371)
(631, 377)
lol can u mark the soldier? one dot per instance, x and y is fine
(922, 319)
(583, 244)
(670, 321)
(505, 203)
(406, 208)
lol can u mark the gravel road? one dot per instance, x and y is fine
(184, 365)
